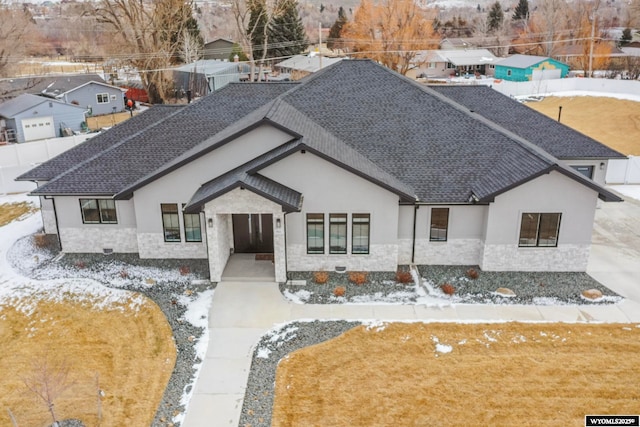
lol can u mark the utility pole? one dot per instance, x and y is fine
(593, 30)
(320, 45)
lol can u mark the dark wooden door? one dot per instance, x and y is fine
(253, 233)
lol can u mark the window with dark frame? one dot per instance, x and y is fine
(170, 222)
(337, 233)
(315, 233)
(192, 227)
(102, 98)
(439, 224)
(585, 170)
(539, 230)
(360, 229)
(98, 211)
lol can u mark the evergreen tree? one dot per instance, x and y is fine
(286, 35)
(237, 50)
(522, 11)
(335, 33)
(495, 17)
(256, 27)
(626, 37)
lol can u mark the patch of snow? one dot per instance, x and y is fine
(570, 93)
(610, 298)
(546, 301)
(298, 297)
(632, 191)
(444, 348)
(376, 325)
(263, 353)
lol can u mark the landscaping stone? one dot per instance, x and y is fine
(505, 292)
(592, 294)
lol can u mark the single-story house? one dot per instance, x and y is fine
(299, 66)
(354, 167)
(31, 117)
(447, 63)
(89, 91)
(522, 68)
(219, 49)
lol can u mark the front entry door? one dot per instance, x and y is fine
(253, 233)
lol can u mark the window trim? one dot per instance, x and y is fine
(537, 238)
(433, 238)
(590, 168)
(99, 209)
(184, 223)
(164, 226)
(102, 96)
(353, 234)
(345, 224)
(320, 219)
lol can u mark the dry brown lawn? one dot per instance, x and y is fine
(614, 122)
(13, 211)
(129, 354)
(502, 374)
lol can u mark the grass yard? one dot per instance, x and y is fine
(12, 211)
(451, 374)
(125, 349)
(614, 122)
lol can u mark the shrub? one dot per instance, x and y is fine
(124, 274)
(472, 273)
(358, 277)
(321, 277)
(80, 265)
(40, 240)
(184, 270)
(448, 288)
(404, 277)
(339, 291)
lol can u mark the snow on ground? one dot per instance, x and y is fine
(573, 93)
(632, 191)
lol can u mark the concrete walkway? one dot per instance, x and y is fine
(243, 311)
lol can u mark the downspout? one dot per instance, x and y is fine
(206, 242)
(55, 216)
(413, 242)
(284, 230)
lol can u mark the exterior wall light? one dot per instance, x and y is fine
(210, 222)
(278, 223)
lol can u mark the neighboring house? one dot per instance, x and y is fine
(457, 44)
(448, 63)
(300, 66)
(31, 117)
(206, 76)
(86, 90)
(219, 49)
(522, 68)
(354, 167)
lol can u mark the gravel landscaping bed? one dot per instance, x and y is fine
(166, 282)
(258, 398)
(539, 288)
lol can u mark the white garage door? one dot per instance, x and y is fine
(38, 128)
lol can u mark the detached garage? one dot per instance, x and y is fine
(31, 117)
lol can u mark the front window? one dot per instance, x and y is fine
(539, 230)
(360, 233)
(98, 211)
(439, 224)
(192, 228)
(315, 233)
(508, 72)
(170, 222)
(338, 233)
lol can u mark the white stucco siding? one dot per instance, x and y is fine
(464, 235)
(551, 193)
(48, 216)
(77, 237)
(179, 185)
(327, 189)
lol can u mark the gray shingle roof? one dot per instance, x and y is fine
(408, 138)
(25, 101)
(555, 138)
(10, 88)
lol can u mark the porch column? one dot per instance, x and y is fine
(217, 226)
(279, 249)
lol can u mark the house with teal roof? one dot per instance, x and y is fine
(522, 68)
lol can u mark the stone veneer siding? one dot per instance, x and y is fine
(513, 258)
(381, 257)
(95, 239)
(451, 252)
(152, 245)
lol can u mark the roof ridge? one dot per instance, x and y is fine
(112, 147)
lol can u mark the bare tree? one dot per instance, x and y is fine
(152, 34)
(15, 24)
(550, 20)
(48, 382)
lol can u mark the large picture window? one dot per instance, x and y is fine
(539, 230)
(439, 224)
(337, 233)
(315, 233)
(192, 228)
(360, 233)
(170, 222)
(98, 211)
